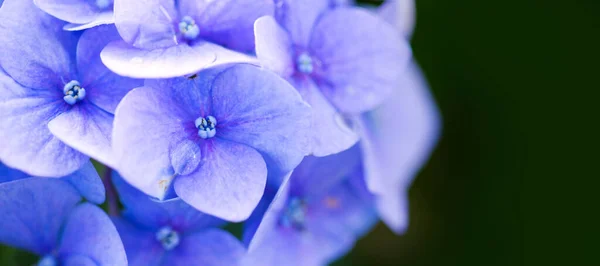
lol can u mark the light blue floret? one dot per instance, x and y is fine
(168, 237)
(304, 63)
(188, 28)
(73, 92)
(47, 260)
(206, 126)
(294, 215)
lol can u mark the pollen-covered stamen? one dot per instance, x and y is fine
(206, 126)
(47, 260)
(168, 237)
(294, 215)
(103, 4)
(73, 92)
(188, 28)
(304, 63)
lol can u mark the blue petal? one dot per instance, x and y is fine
(33, 211)
(88, 231)
(87, 181)
(299, 17)
(9, 174)
(78, 260)
(74, 11)
(148, 24)
(140, 244)
(401, 14)
(274, 47)
(212, 247)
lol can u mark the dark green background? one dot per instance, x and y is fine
(508, 181)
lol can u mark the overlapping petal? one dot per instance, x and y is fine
(147, 24)
(73, 11)
(212, 247)
(274, 47)
(298, 17)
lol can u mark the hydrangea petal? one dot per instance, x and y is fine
(33, 210)
(229, 183)
(401, 14)
(88, 231)
(273, 46)
(78, 260)
(230, 22)
(88, 129)
(28, 145)
(330, 131)
(257, 108)
(212, 247)
(298, 17)
(357, 73)
(9, 174)
(74, 11)
(140, 245)
(89, 184)
(43, 57)
(147, 24)
(104, 88)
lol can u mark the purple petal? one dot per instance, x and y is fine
(28, 145)
(213, 247)
(298, 17)
(78, 260)
(141, 245)
(401, 14)
(397, 139)
(142, 210)
(357, 73)
(134, 144)
(273, 47)
(74, 11)
(88, 129)
(9, 174)
(87, 181)
(229, 183)
(104, 88)
(330, 132)
(33, 210)
(147, 24)
(43, 57)
(230, 22)
(259, 109)
(89, 232)
(102, 19)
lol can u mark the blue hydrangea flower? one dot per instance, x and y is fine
(167, 38)
(45, 216)
(171, 233)
(56, 97)
(316, 216)
(86, 180)
(210, 135)
(82, 14)
(343, 60)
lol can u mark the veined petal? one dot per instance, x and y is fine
(211, 247)
(273, 46)
(357, 74)
(147, 24)
(73, 11)
(78, 260)
(228, 184)
(298, 17)
(33, 210)
(140, 244)
(88, 231)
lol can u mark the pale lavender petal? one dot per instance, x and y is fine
(357, 73)
(88, 231)
(401, 14)
(44, 57)
(28, 145)
(273, 47)
(102, 19)
(257, 108)
(140, 244)
(229, 183)
(298, 17)
(33, 210)
(74, 11)
(212, 247)
(147, 24)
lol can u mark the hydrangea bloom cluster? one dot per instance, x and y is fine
(304, 120)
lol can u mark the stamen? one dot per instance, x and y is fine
(188, 28)
(206, 126)
(294, 215)
(167, 237)
(304, 63)
(47, 260)
(73, 92)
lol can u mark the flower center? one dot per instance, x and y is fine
(167, 237)
(206, 126)
(188, 28)
(304, 63)
(103, 4)
(294, 215)
(47, 260)
(73, 92)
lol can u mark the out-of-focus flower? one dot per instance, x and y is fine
(166, 38)
(45, 216)
(342, 60)
(82, 14)
(171, 233)
(56, 97)
(85, 180)
(316, 216)
(212, 135)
